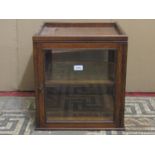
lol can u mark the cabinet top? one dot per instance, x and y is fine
(80, 32)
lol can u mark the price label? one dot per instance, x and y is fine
(78, 67)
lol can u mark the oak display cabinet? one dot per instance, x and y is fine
(80, 72)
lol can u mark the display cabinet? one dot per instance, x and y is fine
(80, 72)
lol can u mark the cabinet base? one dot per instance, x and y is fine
(79, 129)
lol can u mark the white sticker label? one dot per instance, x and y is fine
(78, 67)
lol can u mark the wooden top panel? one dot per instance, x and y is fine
(79, 31)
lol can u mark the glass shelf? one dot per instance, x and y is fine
(50, 83)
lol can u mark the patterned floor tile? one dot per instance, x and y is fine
(17, 116)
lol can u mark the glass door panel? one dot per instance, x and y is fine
(79, 84)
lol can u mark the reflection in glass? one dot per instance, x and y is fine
(79, 84)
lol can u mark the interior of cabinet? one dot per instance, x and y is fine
(79, 84)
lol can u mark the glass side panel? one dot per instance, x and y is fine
(79, 84)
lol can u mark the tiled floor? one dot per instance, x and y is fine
(17, 117)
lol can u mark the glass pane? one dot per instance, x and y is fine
(79, 84)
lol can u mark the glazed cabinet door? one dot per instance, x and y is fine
(79, 86)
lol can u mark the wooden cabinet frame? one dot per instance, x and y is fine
(115, 42)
